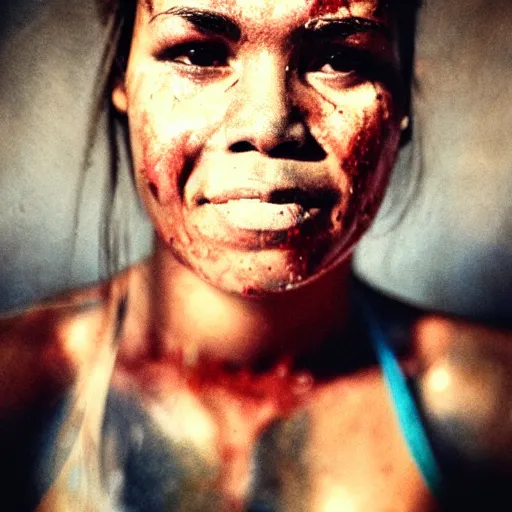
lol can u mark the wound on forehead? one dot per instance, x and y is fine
(320, 7)
(344, 27)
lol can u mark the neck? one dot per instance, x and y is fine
(193, 319)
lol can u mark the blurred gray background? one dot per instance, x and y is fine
(443, 239)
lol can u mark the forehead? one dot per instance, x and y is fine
(279, 10)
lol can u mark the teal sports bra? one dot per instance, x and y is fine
(406, 410)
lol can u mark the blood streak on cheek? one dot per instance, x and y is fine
(159, 164)
(146, 136)
(322, 7)
(363, 163)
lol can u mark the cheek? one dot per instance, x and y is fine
(362, 135)
(160, 160)
(368, 160)
(169, 126)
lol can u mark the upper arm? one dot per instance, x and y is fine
(466, 393)
(42, 349)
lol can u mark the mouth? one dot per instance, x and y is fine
(257, 215)
(274, 211)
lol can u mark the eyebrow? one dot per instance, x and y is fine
(343, 27)
(210, 22)
(205, 21)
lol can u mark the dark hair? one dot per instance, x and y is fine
(119, 17)
(406, 18)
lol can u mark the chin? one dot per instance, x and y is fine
(251, 262)
(265, 272)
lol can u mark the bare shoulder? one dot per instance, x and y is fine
(466, 388)
(43, 348)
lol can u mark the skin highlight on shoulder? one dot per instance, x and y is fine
(46, 348)
(466, 388)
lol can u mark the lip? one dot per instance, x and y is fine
(321, 198)
(256, 215)
(256, 219)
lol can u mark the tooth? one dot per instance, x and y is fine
(245, 200)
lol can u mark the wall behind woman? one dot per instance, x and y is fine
(448, 249)
(452, 248)
(49, 56)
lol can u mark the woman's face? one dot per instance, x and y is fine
(263, 132)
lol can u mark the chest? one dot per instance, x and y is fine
(341, 449)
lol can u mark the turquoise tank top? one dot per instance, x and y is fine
(406, 410)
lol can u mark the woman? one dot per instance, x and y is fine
(239, 368)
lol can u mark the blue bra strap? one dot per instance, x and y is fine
(406, 410)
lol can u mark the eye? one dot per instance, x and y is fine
(205, 55)
(338, 62)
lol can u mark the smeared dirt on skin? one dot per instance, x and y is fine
(230, 394)
(281, 469)
(309, 249)
(263, 397)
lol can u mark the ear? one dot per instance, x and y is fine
(119, 97)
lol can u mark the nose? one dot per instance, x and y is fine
(262, 117)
